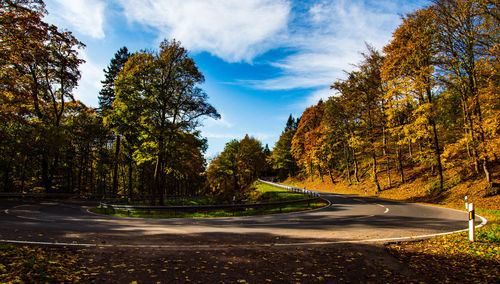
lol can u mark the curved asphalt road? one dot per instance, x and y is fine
(348, 219)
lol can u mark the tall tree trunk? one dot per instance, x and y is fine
(130, 189)
(23, 173)
(79, 178)
(141, 182)
(346, 157)
(47, 182)
(348, 174)
(156, 185)
(386, 154)
(114, 190)
(356, 169)
(330, 174)
(389, 181)
(92, 184)
(437, 153)
(374, 171)
(162, 187)
(311, 172)
(437, 149)
(410, 150)
(486, 170)
(400, 162)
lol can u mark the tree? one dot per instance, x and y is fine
(409, 70)
(107, 93)
(468, 49)
(291, 123)
(343, 115)
(305, 139)
(251, 160)
(160, 89)
(107, 97)
(233, 172)
(363, 91)
(40, 70)
(281, 158)
(339, 128)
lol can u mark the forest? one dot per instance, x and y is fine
(429, 99)
(141, 143)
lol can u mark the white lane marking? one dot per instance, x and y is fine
(33, 218)
(27, 218)
(180, 247)
(386, 208)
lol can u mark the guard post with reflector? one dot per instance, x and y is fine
(471, 221)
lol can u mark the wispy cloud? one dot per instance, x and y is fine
(315, 97)
(260, 136)
(328, 37)
(234, 30)
(90, 83)
(222, 121)
(84, 16)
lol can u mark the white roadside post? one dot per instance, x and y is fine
(466, 202)
(471, 222)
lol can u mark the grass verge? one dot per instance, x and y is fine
(456, 254)
(263, 193)
(211, 214)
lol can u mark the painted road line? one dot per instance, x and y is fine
(215, 247)
(483, 222)
(386, 209)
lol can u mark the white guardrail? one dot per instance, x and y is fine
(292, 188)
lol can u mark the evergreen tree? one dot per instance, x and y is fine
(267, 152)
(107, 93)
(290, 123)
(106, 99)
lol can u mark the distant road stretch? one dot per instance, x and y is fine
(348, 219)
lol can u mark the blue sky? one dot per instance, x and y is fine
(262, 59)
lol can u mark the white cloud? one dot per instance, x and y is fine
(222, 121)
(314, 97)
(259, 136)
(329, 38)
(83, 16)
(90, 82)
(234, 30)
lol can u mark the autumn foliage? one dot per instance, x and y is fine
(141, 143)
(430, 102)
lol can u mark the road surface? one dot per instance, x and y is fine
(349, 218)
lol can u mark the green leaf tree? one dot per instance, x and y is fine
(159, 90)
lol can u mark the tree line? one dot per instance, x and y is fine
(430, 100)
(141, 142)
(232, 173)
